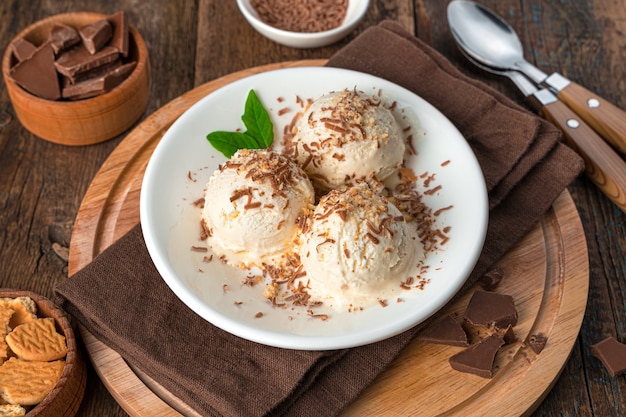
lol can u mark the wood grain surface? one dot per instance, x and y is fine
(547, 275)
(192, 42)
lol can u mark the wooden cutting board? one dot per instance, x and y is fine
(547, 274)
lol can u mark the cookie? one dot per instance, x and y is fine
(25, 310)
(12, 410)
(28, 383)
(5, 318)
(37, 341)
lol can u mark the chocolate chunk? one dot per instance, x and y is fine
(63, 37)
(78, 60)
(93, 73)
(612, 353)
(537, 342)
(509, 336)
(478, 359)
(36, 74)
(492, 279)
(444, 332)
(96, 35)
(119, 40)
(477, 332)
(491, 309)
(99, 85)
(22, 49)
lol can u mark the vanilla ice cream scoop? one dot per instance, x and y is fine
(252, 205)
(347, 136)
(357, 248)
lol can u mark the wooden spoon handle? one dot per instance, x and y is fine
(602, 164)
(605, 118)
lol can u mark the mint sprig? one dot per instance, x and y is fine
(259, 133)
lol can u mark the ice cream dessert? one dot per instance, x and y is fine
(347, 136)
(252, 204)
(357, 248)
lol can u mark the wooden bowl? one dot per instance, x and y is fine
(81, 122)
(67, 394)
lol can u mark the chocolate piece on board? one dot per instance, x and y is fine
(491, 309)
(537, 342)
(612, 353)
(96, 35)
(22, 49)
(492, 279)
(478, 359)
(444, 332)
(62, 37)
(37, 75)
(119, 40)
(78, 60)
(100, 85)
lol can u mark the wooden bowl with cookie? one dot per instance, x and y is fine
(42, 371)
(74, 81)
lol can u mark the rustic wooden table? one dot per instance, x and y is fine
(192, 42)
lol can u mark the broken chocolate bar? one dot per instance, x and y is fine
(62, 37)
(444, 332)
(96, 35)
(612, 353)
(478, 359)
(36, 74)
(22, 49)
(79, 60)
(119, 40)
(100, 85)
(491, 309)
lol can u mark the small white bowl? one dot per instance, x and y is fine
(356, 11)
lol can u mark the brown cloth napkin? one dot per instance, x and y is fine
(123, 301)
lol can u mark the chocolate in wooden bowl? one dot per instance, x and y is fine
(87, 121)
(66, 396)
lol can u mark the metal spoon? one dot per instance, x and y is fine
(489, 40)
(603, 166)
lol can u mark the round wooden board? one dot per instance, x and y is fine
(547, 274)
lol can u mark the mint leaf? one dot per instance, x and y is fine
(257, 121)
(230, 142)
(259, 133)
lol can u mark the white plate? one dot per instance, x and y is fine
(183, 162)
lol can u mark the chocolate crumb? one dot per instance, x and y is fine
(492, 279)
(537, 342)
(258, 315)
